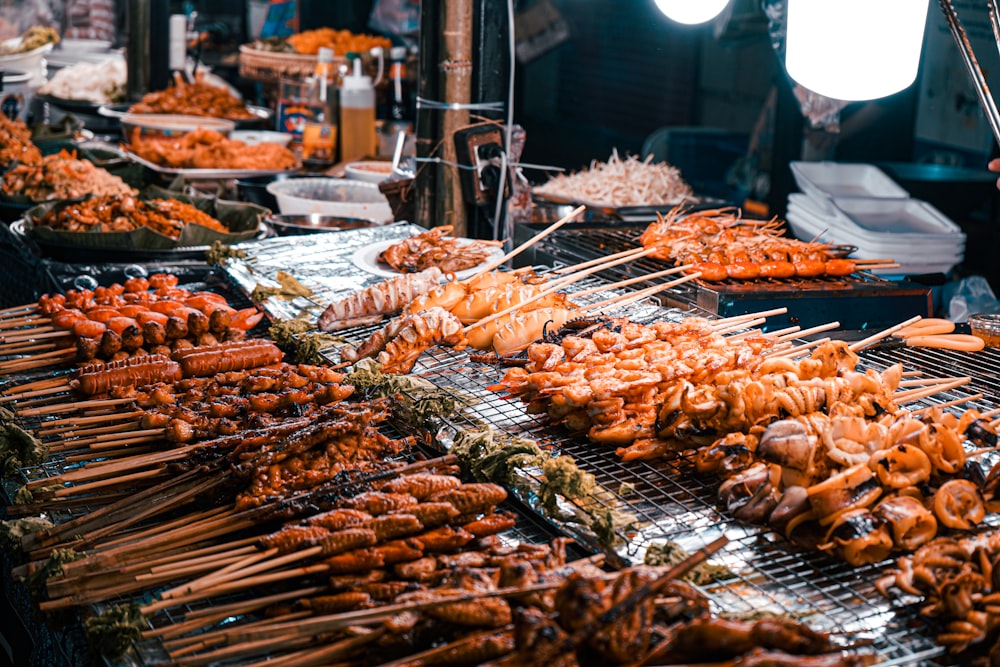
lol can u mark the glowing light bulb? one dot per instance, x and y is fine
(691, 12)
(854, 49)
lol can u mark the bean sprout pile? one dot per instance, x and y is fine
(618, 182)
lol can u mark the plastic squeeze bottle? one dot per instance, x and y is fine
(357, 115)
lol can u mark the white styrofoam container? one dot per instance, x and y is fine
(824, 181)
(897, 217)
(808, 228)
(911, 213)
(839, 179)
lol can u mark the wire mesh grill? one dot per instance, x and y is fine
(673, 503)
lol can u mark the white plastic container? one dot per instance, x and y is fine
(331, 196)
(357, 116)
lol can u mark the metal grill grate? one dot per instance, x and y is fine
(860, 301)
(673, 503)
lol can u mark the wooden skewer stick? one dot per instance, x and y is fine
(796, 351)
(13, 323)
(922, 382)
(530, 242)
(726, 321)
(23, 308)
(556, 285)
(127, 450)
(342, 620)
(811, 330)
(880, 267)
(739, 326)
(778, 333)
(626, 299)
(34, 394)
(630, 281)
(599, 260)
(36, 363)
(101, 483)
(246, 566)
(28, 346)
(60, 352)
(880, 260)
(39, 333)
(224, 653)
(202, 618)
(77, 405)
(988, 413)
(74, 432)
(37, 384)
(324, 654)
(917, 394)
(885, 333)
(95, 419)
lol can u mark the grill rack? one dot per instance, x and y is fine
(768, 571)
(673, 503)
(860, 301)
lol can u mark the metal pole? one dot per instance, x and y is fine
(137, 58)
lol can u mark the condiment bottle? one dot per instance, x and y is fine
(319, 135)
(400, 114)
(357, 115)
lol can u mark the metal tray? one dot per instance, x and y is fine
(74, 254)
(202, 174)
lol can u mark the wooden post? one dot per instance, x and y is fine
(455, 70)
(446, 46)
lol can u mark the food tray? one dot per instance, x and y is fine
(636, 213)
(826, 180)
(202, 174)
(74, 254)
(262, 116)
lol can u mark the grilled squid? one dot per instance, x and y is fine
(384, 298)
(788, 443)
(859, 537)
(909, 522)
(852, 488)
(418, 333)
(901, 466)
(958, 504)
(523, 329)
(445, 296)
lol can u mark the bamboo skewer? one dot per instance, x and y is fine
(95, 419)
(626, 299)
(73, 432)
(796, 351)
(530, 242)
(811, 330)
(171, 635)
(917, 394)
(630, 281)
(599, 260)
(739, 326)
(35, 393)
(556, 285)
(726, 321)
(885, 333)
(77, 405)
(37, 384)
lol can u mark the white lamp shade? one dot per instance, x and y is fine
(691, 12)
(854, 49)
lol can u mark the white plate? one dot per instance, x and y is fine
(366, 259)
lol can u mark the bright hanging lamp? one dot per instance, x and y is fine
(854, 49)
(691, 12)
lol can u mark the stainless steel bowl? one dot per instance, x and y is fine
(294, 225)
